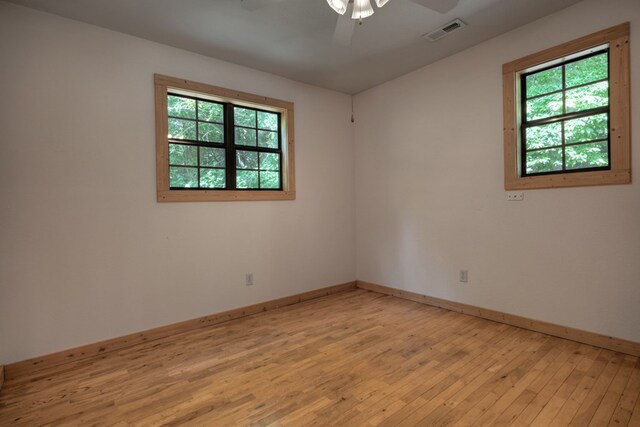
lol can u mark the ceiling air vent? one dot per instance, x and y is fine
(446, 29)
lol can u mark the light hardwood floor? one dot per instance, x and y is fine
(354, 358)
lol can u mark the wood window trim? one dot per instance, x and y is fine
(620, 119)
(164, 194)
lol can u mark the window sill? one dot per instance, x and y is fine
(575, 179)
(222, 196)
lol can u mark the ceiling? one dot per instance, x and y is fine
(293, 38)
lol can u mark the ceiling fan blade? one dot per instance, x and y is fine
(442, 6)
(257, 4)
(344, 29)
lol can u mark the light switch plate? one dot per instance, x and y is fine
(515, 196)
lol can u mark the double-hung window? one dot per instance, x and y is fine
(217, 144)
(566, 114)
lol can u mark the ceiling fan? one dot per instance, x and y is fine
(352, 11)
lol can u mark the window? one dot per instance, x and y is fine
(566, 114)
(215, 144)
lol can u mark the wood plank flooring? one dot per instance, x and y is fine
(356, 358)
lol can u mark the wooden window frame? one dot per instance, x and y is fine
(166, 84)
(617, 38)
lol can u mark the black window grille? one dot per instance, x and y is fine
(221, 146)
(565, 116)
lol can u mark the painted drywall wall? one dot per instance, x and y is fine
(86, 252)
(431, 201)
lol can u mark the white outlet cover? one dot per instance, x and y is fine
(464, 276)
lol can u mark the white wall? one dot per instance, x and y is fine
(86, 253)
(430, 197)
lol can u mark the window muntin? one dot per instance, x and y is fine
(565, 116)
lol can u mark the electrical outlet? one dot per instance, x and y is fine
(248, 279)
(515, 196)
(464, 276)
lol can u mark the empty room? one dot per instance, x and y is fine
(319, 212)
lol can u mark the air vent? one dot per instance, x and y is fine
(446, 29)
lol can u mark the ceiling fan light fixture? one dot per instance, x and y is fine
(381, 3)
(340, 6)
(361, 9)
